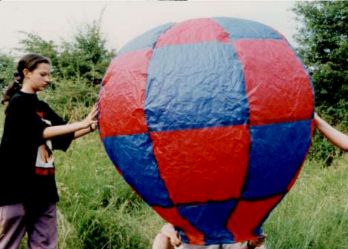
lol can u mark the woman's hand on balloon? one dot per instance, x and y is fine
(91, 119)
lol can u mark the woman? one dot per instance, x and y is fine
(28, 192)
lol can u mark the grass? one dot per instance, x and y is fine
(105, 213)
(99, 210)
(315, 212)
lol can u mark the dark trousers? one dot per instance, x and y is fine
(40, 222)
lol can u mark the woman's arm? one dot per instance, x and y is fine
(336, 137)
(85, 131)
(78, 128)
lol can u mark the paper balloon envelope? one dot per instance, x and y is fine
(209, 120)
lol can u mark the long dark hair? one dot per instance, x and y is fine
(30, 62)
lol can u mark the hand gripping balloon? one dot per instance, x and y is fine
(209, 120)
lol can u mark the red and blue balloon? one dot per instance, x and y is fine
(209, 120)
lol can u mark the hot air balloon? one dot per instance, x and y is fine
(209, 120)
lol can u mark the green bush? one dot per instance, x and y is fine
(322, 150)
(7, 69)
(78, 67)
(71, 98)
(323, 46)
(85, 58)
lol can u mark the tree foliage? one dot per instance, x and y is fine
(7, 68)
(33, 43)
(85, 57)
(323, 46)
(323, 40)
(78, 67)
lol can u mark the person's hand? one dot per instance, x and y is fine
(91, 119)
(93, 126)
(43, 153)
(257, 242)
(175, 239)
(173, 235)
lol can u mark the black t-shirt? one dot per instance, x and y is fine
(22, 136)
